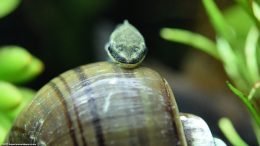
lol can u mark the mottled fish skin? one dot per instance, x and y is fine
(126, 46)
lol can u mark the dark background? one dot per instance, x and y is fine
(63, 34)
(68, 33)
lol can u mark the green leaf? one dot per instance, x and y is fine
(251, 54)
(34, 68)
(233, 62)
(256, 10)
(3, 134)
(218, 21)
(18, 65)
(7, 6)
(258, 2)
(28, 95)
(233, 16)
(13, 59)
(230, 133)
(255, 115)
(5, 125)
(228, 58)
(10, 96)
(253, 92)
(195, 40)
(244, 4)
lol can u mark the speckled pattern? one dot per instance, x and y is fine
(126, 46)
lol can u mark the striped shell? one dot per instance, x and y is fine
(101, 104)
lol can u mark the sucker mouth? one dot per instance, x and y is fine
(124, 60)
(119, 58)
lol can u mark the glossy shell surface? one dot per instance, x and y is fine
(101, 104)
(196, 131)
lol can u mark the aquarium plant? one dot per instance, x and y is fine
(17, 66)
(237, 47)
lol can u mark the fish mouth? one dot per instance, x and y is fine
(126, 60)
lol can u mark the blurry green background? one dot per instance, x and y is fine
(68, 33)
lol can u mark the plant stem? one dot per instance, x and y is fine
(248, 104)
(218, 21)
(193, 39)
(230, 133)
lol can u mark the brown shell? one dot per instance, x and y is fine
(101, 104)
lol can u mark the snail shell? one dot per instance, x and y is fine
(197, 132)
(101, 104)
